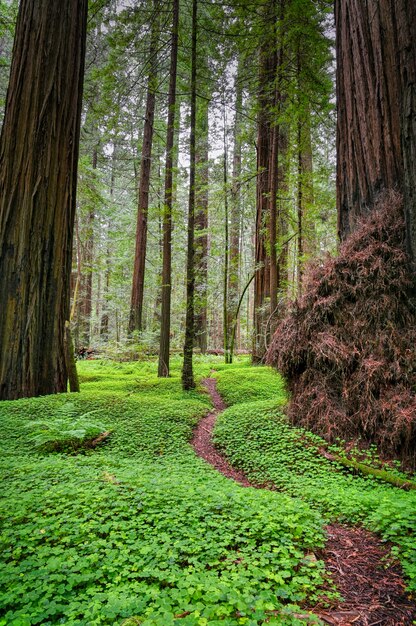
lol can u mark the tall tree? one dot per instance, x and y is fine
(379, 150)
(405, 20)
(137, 292)
(38, 167)
(262, 258)
(235, 211)
(368, 84)
(163, 366)
(188, 381)
(201, 225)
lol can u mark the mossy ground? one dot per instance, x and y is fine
(142, 527)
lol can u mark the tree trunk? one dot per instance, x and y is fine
(187, 371)
(267, 73)
(235, 217)
(163, 366)
(70, 360)
(38, 168)
(137, 293)
(368, 123)
(201, 227)
(226, 329)
(406, 20)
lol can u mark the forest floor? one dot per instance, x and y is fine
(141, 530)
(372, 589)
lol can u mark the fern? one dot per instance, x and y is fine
(66, 431)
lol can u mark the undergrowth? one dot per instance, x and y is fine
(141, 531)
(257, 438)
(140, 527)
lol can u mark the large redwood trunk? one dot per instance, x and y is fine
(38, 167)
(376, 90)
(368, 92)
(406, 23)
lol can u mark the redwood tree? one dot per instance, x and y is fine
(376, 95)
(368, 87)
(38, 168)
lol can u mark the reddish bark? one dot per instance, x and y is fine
(38, 168)
(368, 126)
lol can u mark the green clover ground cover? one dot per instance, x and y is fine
(140, 526)
(256, 438)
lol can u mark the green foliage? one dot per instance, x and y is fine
(66, 431)
(141, 531)
(141, 528)
(242, 382)
(257, 438)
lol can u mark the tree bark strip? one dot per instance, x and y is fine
(201, 227)
(188, 381)
(163, 366)
(38, 168)
(368, 122)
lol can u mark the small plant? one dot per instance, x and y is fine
(66, 432)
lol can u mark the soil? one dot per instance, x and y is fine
(372, 588)
(202, 442)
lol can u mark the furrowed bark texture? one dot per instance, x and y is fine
(38, 167)
(376, 91)
(406, 24)
(368, 88)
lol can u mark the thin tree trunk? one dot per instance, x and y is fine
(70, 360)
(273, 188)
(300, 207)
(38, 168)
(85, 299)
(187, 371)
(225, 317)
(105, 317)
(262, 258)
(235, 213)
(163, 366)
(156, 314)
(137, 293)
(201, 227)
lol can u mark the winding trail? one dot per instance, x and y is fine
(373, 594)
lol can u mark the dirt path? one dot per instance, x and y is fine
(373, 596)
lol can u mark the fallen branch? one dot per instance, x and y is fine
(396, 481)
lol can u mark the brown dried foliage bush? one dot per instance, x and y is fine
(348, 345)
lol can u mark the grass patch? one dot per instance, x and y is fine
(141, 526)
(257, 438)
